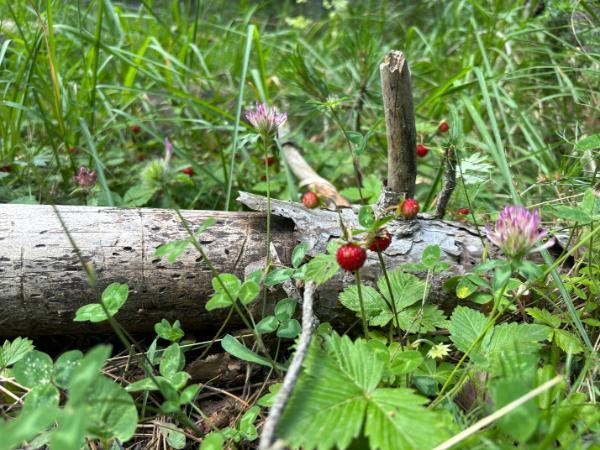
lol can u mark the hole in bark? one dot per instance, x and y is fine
(128, 249)
(227, 251)
(40, 245)
(176, 275)
(115, 254)
(199, 259)
(155, 261)
(190, 277)
(162, 290)
(155, 228)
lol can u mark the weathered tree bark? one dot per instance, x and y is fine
(400, 124)
(42, 283)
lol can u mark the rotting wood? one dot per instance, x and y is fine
(42, 284)
(400, 124)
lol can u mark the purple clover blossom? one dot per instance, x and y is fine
(85, 178)
(518, 232)
(265, 119)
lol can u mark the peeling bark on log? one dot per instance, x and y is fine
(42, 283)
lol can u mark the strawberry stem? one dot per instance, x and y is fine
(362, 305)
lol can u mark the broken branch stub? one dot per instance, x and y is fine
(400, 124)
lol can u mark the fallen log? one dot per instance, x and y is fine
(42, 283)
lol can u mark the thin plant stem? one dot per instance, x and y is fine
(392, 302)
(362, 305)
(268, 263)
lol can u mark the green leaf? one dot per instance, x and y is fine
(172, 361)
(234, 347)
(321, 268)
(501, 276)
(218, 301)
(34, 369)
(376, 311)
(278, 276)
(172, 250)
(170, 333)
(567, 342)
(544, 316)
(248, 292)
(227, 282)
(139, 195)
(289, 329)
(407, 288)
(87, 372)
(268, 399)
(590, 202)
(64, 367)
(465, 287)
(267, 325)
(466, 325)
(113, 297)
(337, 393)
(571, 213)
(404, 361)
(588, 143)
(175, 438)
(26, 426)
(11, 352)
(298, 254)
(70, 432)
(414, 320)
(285, 308)
(114, 412)
(146, 384)
(212, 441)
(521, 422)
(366, 216)
(42, 396)
(431, 255)
(246, 426)
(189, 394)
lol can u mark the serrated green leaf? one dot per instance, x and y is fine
(338, 391)
(466, 325)
(11, 352)
(544, 316)
(465, 287)
(567, 342)
(407, 288)
(298, 254)
(278, 276)
(571, 213)
(521, 422)
(415, 320)
(321, 268)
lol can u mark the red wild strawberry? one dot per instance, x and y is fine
(5, 169)
(421, 150)
(135, 128)
(410, 208)
(351, 257)
(381, 241)
(269, 160)
(188, 171)
(443, 126)
(310, 200)
(72, 150)
(463, 211)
